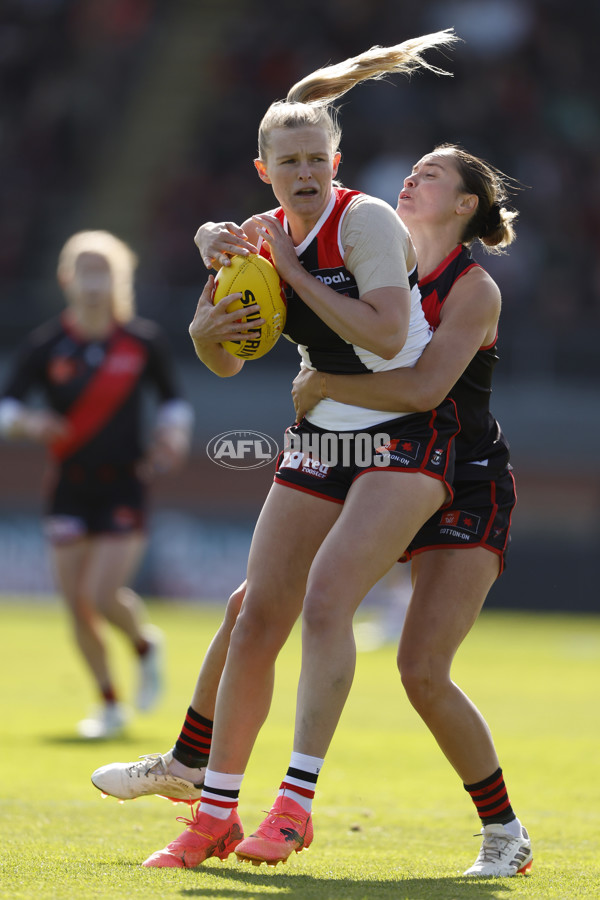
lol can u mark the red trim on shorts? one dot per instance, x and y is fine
(494, 342)
(511, 511)
(434, 436)
(494, 510)
(392, 469)
(408, 554)
(298, 487)
(439, 476)
(500, 552)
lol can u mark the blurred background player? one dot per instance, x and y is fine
(93, 364)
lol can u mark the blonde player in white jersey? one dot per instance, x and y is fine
(352, 486)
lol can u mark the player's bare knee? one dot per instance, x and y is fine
(106, 604)
(258, 631)
(418, 681)
(234, 604)
(321, 615)
(81, 609)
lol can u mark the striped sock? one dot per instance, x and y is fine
(142, 647)
(220, 794)
(108, 694)
(301, 779)
(491, 800)
(193, 744)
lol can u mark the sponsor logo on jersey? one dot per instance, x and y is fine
(296, 459)
(337, 278)
(401, 450)
(456, 518)
(61, 369)
(436, 457)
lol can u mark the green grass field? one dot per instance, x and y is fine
(391, 818)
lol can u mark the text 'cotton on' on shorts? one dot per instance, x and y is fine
(479, 516)
(326, 464)
(103, 500)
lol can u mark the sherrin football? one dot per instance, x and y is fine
(258, 282)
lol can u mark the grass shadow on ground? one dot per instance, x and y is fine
(305, 887)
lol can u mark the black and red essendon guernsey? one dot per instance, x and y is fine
(480, 437)
(97, 385)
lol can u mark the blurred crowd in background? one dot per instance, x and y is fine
(140, 116)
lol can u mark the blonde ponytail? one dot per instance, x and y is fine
(308, 102)
(327, 84)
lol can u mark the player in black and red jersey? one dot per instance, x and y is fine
(93, 364)
(450, 200)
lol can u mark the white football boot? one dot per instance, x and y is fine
(150, 685)
(150, 775)
(106, 721)
(502, 855)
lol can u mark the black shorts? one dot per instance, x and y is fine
(326, 464)
(479, 516)
(103, 500)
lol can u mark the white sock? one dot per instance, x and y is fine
(220, 794)
(514, 828)
(301, 778)
(189, 774)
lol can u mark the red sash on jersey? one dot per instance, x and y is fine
(103, 395)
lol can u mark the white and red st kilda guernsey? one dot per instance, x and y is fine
(322, 254)
(482, 451)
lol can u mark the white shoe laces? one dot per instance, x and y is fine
(148, 762)
(495, 846)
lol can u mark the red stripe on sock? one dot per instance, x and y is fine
(285, 786)
(224, 804)
(194, 746)
(198, 726)
(489, 800)
(202, 742)
(497, 809)
(487, 788)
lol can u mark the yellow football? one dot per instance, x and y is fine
(258, 282)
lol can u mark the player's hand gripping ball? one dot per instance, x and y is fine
(258, 282)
